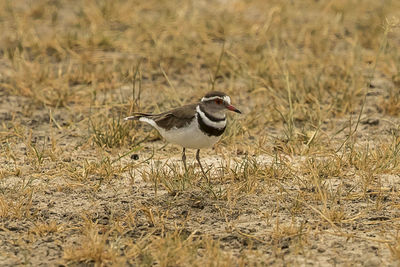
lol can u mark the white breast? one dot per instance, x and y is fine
(189, 137)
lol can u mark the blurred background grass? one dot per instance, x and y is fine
(79, 53)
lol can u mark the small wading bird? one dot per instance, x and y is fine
(192, 126)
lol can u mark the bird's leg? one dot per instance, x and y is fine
(201, 166)
(184, 159)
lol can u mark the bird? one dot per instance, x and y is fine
(193, 126)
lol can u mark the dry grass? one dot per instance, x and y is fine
(309, 174)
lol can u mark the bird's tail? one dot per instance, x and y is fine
(137, 116)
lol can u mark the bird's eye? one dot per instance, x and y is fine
(218, 101)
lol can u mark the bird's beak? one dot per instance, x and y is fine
(232, 108)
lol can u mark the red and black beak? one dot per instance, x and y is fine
(232, 108)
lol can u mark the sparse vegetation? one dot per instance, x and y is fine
(308, 174)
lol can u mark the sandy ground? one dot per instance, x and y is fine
(260, 226)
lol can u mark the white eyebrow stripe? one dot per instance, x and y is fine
(218, 125)
(225, 98)
(210, 98)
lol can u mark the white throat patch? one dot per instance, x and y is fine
(218, 125)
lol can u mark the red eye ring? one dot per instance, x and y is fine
(218, 101)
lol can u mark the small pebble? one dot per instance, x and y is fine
(372, 262)
(135, 156)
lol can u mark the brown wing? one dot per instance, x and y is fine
(178, 117)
